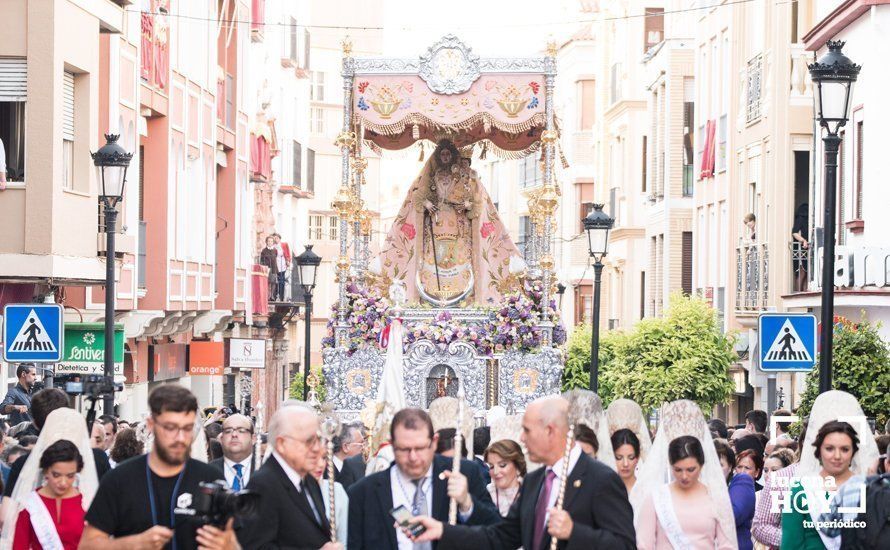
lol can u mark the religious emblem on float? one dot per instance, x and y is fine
(448, 245)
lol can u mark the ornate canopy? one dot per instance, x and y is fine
(449, 91)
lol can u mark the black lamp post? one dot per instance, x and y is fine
(307, 264)
(597, 224)
(111, 162)
(833, 77)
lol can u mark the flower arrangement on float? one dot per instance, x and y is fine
(513, 325)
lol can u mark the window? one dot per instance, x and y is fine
(316, 120)
(688, 135)
(587, 90)
(686, 268)
(230, 102)
(721, 143)
(615, 89)
(297, 161)
(316, 231)
(292, 35)
(316, 86)
(842, 192)
(642, 294)
(333, 226)
(654, 28)
(13, 93)
(613, 204)
(68, 130)
(530, 171)
(753, 80)
(857, 179)
(310, 170)
(525, 233)
(645, 164)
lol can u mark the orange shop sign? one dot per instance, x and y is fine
(206, 358)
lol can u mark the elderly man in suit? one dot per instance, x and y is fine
(595, 514)
(291, 511)
(419, 480)
(349, 443)
(238, 441)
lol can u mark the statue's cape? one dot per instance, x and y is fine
(492, 246)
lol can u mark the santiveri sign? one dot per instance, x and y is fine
(85, 349)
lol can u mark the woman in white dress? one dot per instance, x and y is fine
(680, 497)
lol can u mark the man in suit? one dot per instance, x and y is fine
(291, 511)
(595, 513)
(237, 462)
(481, 441)
(349, 443)
(419, 480)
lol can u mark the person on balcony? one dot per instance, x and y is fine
(269, 258)
(800, 246)
(750, 221)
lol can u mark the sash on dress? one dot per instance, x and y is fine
(814, 508)
(43, 524)
(667, 517)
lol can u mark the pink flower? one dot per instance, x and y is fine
(487, 229)
(409, 231)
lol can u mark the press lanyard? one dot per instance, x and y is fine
(151, 500)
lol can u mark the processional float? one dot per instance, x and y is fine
(496, 334)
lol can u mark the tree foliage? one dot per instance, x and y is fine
(861, 367)
(683, 355)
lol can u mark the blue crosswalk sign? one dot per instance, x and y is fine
(787, 342)
(33, 333)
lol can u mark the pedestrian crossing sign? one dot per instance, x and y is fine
(787, 342)
(33, 333)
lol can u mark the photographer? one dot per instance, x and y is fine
(147, 501)
(17, 403)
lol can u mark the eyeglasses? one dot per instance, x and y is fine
(408, 450)
(173, 429)
(239, 431)
(309, 442)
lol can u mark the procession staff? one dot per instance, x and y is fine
(458, 445)
(597, 513)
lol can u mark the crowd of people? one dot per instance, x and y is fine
(686, 483)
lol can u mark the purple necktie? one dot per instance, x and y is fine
(541, 510)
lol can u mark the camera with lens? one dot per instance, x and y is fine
(215, 503)
(92, 386)
(230, 410)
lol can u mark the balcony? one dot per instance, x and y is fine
(801, 85)
(800, 264)
(752, 277)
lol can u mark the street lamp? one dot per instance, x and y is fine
(111, 162)
(833, 77)
(597, 224)
(307, 264)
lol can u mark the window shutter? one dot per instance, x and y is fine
(859, 145)
(310, 170)
(68, 106)
(297, 164)
(13, 79)
(686, 259)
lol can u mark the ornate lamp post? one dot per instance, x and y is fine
(597, 224)
(111, 162)
(307, 264)
(833, 77)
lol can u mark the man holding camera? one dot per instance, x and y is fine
(17, 402)
(147, 502)
(238, 440)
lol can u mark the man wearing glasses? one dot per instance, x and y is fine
(291, 512)
(419, 480)
(146, 502)
(238, 441)
(350, 443)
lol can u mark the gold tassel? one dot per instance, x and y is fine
(484, 152)
(422, 151)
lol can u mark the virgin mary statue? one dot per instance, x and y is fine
(447, 244)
